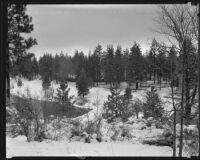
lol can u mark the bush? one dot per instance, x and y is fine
(19, 83)
(77, 128)
(29, 119)
(191, 143)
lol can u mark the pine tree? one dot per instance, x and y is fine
(153, 106)
(46, 83)
(116, 106)
(128, 94)
(108, 65)
(150, 62)
(46, 66)
(35, 67)
(97, 61)
(119, 70)
(136, 67)
(55, 68)
(82, 84)
(125, 63)
(62, 96)
(18, 22)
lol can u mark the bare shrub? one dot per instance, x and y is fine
(29, 118)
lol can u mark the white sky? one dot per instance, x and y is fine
(68, 27)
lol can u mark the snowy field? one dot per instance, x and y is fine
(101, 93)
(20, 147)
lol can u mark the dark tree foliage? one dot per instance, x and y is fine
(55, 67)
(45, 66)
(136, 66)
(97, 62)
(109, 65)
(153, 106)
(19, 82)
(119, 68)
(82, 84)
(18, 23)
(116, 105)
(128, 94)
(62, 96)
(27, 68)
(46, 83)
(126, 63)
(79, 62)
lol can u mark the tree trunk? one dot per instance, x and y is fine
(174, 123)
(182, 101)
(174, 107)
(187, 94)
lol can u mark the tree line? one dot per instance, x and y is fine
(110, 66)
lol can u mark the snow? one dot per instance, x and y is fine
(19, 147)
(77, 147)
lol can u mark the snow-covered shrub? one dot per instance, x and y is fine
(19, 83)
(29, 118)
(153, 107)
(191, 143)
(160, 139)
(77, 128)
(93, 126)
(58, 129)
(126, 132)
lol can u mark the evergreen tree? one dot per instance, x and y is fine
(91, 68)
(79, 62)
(46, 83)
(18, 22)
(153, 52)
(45, 66)
(82, 84)
(125, 63)
(116, 106)
(150, 62)
(108, 65)
(119, 70)
(35, 67)
(97, 61)
(153, 105)
(62, 96)
(136, 66)
(55, 68)
(128, 94)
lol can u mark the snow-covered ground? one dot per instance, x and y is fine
(96, 93)
(20, 147)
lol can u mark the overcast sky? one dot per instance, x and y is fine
(68, 27)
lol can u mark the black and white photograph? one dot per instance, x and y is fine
(114, 80)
